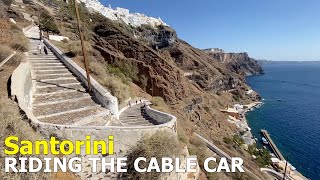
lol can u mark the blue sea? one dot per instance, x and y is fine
(291, 112)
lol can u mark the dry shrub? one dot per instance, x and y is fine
(159, 104)
(16, 59)
(12, 124)
(159, 145)
(64, 47)
(65, 40)
(200, 149)
(4, 52)
(117, 88)
(19, 41)
(5, 33)
(12, 36)
(111, 82)
(75, 48)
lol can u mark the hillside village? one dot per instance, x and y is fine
(133, 19)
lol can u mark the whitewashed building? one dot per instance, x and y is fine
(134, 19)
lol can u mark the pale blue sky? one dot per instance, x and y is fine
(266, 29)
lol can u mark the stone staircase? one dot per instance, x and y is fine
(135, 116)
(58, 96)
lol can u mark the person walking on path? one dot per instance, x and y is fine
(39, 48)
(45, 50)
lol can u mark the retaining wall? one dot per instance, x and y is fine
(102, 95)
(22, 91)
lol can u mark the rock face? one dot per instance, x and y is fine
(239, 63)
(169, 63)
(164, 79)
(159, 37)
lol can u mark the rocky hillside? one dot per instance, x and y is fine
(239, 63)
(194, 84)
(191, 81)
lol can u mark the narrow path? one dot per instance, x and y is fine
(58, 96)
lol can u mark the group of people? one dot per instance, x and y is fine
(45, 50)
(130, 103)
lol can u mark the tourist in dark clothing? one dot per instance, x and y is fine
(45, 50)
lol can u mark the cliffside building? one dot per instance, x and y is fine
(133, 19)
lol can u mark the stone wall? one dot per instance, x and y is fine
(124, 137)
(102, 95)
(159, 116)
(21, 88)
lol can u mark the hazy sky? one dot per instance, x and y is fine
(266, 29)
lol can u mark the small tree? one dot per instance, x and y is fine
(47, 23)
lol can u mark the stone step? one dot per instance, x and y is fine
(48, 76)
(47, 90)
(55, 82)
(54, 79)
(139, 124)
(48, 68)
(87, 96)
(45, 72)
(92, 119)
(36, 62)
(131, 117)
(57, 93)
(36, 57)
(44, 60)
(36, 53)
(63, 108)
(72, 117)
(69, 94)
(51, 64)
(138, 120)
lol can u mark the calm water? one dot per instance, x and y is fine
(294, 122)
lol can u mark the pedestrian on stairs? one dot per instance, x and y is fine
(45, 50)
(39, 48)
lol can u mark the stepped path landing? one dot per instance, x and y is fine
(135, 116)
(58, 96)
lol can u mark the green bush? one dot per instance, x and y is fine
(235, 140)
(47, 23)
(117, 72)
(128, 68)
(264, 158)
